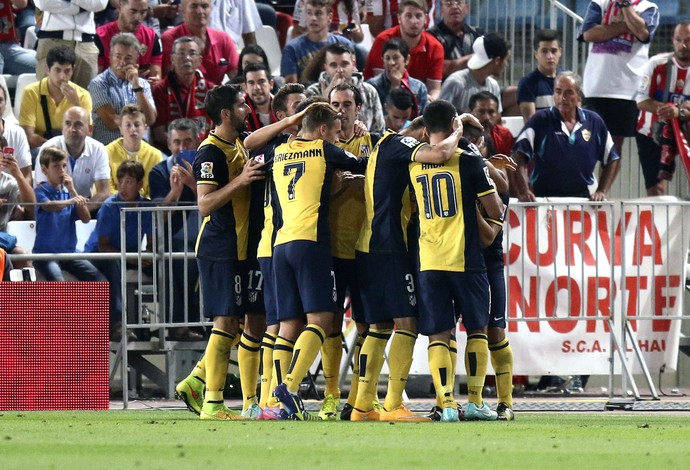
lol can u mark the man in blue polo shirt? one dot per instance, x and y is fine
(565, 142)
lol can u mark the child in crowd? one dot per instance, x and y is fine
(106, 237)
(59, 207)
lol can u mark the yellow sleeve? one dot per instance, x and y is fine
(85, 99)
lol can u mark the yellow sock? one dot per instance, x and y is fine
(502, 362)
(399, 363)
(453, 350)
(248, 361)
(282, 356)
(331, 355)
(236, 340)
(307, 347)
(440, 367)
(199, 370)
(354, 381)
(370, 364)
(476, 361)
(266, 370)
(216, 357)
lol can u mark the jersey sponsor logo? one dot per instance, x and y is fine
(207, 170)
(409, 142)
(586, 135)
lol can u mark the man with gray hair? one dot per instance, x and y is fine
(181, 92)
(88, 159)
(118, 86)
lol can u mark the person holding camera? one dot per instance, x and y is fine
(45, 102)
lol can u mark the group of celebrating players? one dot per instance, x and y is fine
(312, 209)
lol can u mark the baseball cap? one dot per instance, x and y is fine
(487, 48)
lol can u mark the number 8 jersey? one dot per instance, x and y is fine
(447, 199)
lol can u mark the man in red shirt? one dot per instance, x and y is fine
(498, 138)
(426, 53)
(130, 20)
(219, 53)
(182, 91)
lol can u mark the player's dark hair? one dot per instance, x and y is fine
(396, 44)
(343, 86)
(219, 98)
(280, 98)
(481, 96)
(416, 124)
(438, 116)
(545, 35)
(62, 55)
(130, 168)
(318, 115)
(312, 99)
(400, 98)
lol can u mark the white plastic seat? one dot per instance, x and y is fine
(267, 38)
(22, 81)
(513, 123)
(8, 115)
(30, 38)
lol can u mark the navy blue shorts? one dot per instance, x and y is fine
(304, 279)
(221, 288)
(497, 312)
(346, 284)
(386, 285)
(254, 284)
(441, 293)
(269, 293)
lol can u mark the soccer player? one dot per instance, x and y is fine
(302, 172)
(346, 218)
(223, 176)
(452, 268)
(384, 274)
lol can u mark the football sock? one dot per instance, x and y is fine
(217, 357)
(331, 355)
(354, 381)
(502, 362)
(440, 367)
(199, 370)
(476, 361)
(282, 355)
(453, 350)
(370, 364)
(248, 360)
(399, 363)
(307, 347)
(266, 370)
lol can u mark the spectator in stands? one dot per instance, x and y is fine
(396, 56)
(497, 138)
(45, 102)
(564, 161)
(15, 189)
(491, 56)
(535, 90)
(455, 35)
(73, 25)
(162, 14)
(131, 146)
(5, 266)
(182, 91)
(14, 59)
(120, 85)
(619, 34)
(254, 54)
(130, 20)
(383, 14)
(660, 103)
(11, 135)
(172, 182)
(257, 87)
(106, 236)
(87, 158)
(239, 18)
(219, 53)
(59, 208)
(426, 53)
(400, 109)
(299, 51)
(345, 20)
(339, 67)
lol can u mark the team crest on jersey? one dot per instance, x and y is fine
(253, 296)
(238, 299)
(680, 84)
(364, 151)
(259, 159)
(413, 299)
(207, 170)
(586, 135)
(409, 141)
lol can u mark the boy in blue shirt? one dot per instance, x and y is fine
(59, 207)
(106, 237)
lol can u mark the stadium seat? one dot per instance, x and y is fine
(22, 81)
(513, 123)
(267, 38)
(25, 231)
(30, 38)
(8, 115)
(368, 40)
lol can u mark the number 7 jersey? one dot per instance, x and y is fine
(447, 196)
(302, 174)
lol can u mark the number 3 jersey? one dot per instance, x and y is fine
(447, 196)
(302, 175)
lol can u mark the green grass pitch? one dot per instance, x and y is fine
(178, 440)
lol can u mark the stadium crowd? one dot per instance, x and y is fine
(303, 180)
